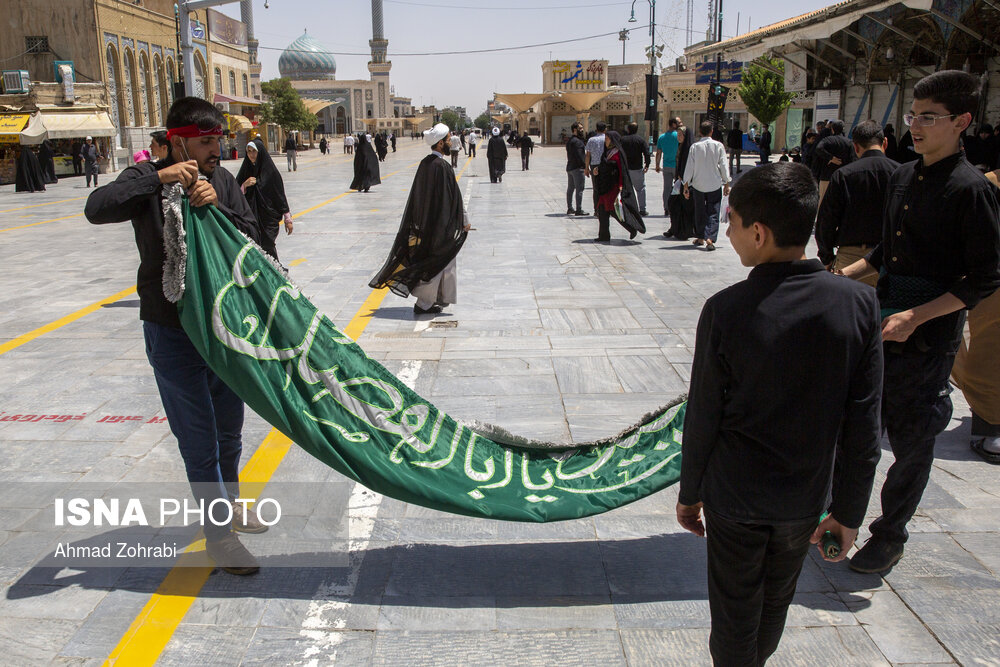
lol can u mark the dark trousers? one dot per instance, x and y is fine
(77, 167)
(204, 414)
(454, 158)
(604, 224)
(736, 155)
(593, 185)
(706, 214)
(574, 184)
(752, 572)
(524, 160)
(472, 150)
(916, 407)
(90, 169)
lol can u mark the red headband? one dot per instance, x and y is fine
(193, 131)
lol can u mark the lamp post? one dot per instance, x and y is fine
(653, 52)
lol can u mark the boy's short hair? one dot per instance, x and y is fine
(958, 91)
(783, 197)
(160, 137)
(633, 127)
(194, 111)
(601, 127)
(868, 133)
(836, 126)
(706, 128)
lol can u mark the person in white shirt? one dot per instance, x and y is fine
(473, 138)
(706, 179)
(348, 144)
(455, 145)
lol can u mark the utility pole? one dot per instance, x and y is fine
(185, 7)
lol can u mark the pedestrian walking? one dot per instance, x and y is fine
(496, 156)
(454, 147)
(850, 217)
(77, 160)
(576, 161)
(348, 144)
(204, 414)
(612, 180)
(759, 471)
(322, 146)
(831, 153)
(473, 140)
(706, 181)
(90, 155)
(381, 146)
(28, 176)
(392, 140)
(527, 147)
(764, 144)
(461, 137)
(637, 156)
(431, 233)
(291, 153)
(734, 141)
(681, 207)
(366, 170)
(667, 145)
(929, 274)
(594, 151)
(264, 189)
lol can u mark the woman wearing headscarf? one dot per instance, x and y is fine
(381, 146)
(613, 180)
(496, 156)
(46, 159)
(261, 182)
(681, 209)
(29, 173)
(366, 172)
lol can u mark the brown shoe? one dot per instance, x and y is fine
(697, 242)
(247, 522)
(230, 554)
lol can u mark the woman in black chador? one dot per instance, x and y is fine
(365, 166)
(381, 146)
(613, 180)
(29, 172)
(681, 209)
(261, 182)
(46, 158)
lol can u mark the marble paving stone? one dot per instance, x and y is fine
(646, 373)
(428, 613)
(936, 561)
(281, 646)
(941, 606)
(983, 547)
(585, 375)
(33, 641)
(205, 644)
(555, 613)
(970, 644)
(897, 632)
(634, 612)
(51, 602)
(686, 647)
(841, 645)
(324, 613)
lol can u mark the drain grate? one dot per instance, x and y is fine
(444, 324)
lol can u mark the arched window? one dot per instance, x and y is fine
(232, 82)
(246, 86)
(156, 114)
(113, 80)
(198, 90)
(145, 89)
(168, 94)
(218, 81)
(128, 65)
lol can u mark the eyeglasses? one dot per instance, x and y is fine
(925, 119)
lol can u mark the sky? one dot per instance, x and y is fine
(469, 80)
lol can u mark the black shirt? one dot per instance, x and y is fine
(941, 223)
(735, 139)
(851, 212)
(575, 153)
(290, 143)
(636, 151)
(785, 362)
(835, 145)
(136, 195)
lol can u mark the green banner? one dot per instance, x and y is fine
(295, 369)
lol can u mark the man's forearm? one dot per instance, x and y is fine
(859, 270)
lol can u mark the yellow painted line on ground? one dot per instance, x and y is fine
(61, 201)
(149, 633)
(296, 262)
(63, 321)
(43, 222)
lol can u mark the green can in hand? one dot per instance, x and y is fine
(830, 545)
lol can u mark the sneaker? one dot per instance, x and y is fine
(246, 522)
(580, 211)
(230, 554)
(644, 213)
(433, 310)
(709, 246)
(570, 212)
(698, 242)
(876, 556)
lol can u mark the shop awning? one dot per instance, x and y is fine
(238, 123)
(583, 101)
(76, 125)
(235, 99)
(11, 126)
(521, 102)
(315, 106)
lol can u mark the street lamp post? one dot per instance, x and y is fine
(652, 52)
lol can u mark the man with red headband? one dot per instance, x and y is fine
(204, 414)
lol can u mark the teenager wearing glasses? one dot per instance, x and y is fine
(939, 256)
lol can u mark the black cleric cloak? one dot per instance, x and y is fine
(46, 158)
(365, 166)
(266, 198)
(496, 157)
(431, 232)
(29, 173)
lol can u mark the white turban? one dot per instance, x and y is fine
(496, 131)
(435, 134)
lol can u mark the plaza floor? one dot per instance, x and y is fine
(554, 337)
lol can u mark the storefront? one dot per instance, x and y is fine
(64, 129)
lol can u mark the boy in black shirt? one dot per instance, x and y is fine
(785, 362)
(939, 255)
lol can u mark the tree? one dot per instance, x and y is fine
(763, 91)
(483, 121)
(284, 107)
(451, 119)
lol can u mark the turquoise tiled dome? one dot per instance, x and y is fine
(305, 59)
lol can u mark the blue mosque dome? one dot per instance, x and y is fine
(306, 59)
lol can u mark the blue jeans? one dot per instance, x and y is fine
(706, 214)
(204, 414)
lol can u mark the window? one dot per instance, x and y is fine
(218, 80)
(36, 44)
(232, 82)
(246, 87)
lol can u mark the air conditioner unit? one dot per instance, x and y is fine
(16, 81)
(222, 106)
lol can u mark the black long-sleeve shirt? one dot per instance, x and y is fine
(784, 363)
(941, 222)
(835, 145)
(136, 195)
(851, 212)
(636, 151)
(575, 154)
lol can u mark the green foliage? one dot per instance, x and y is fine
(483, 121)
(284, 107)
(451, 119)
(763, 91)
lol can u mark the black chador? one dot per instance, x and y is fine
(496, 157)
(431, 232)
(365, 166)
(29, 173)
(266, 197)
(381, 146)
(46, 158)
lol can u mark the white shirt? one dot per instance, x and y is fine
(455, 142)
(472, 139)
(706, 169)
(595, 146)
(349, 140)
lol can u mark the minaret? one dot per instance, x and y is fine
(379, 65)
(246, 15)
